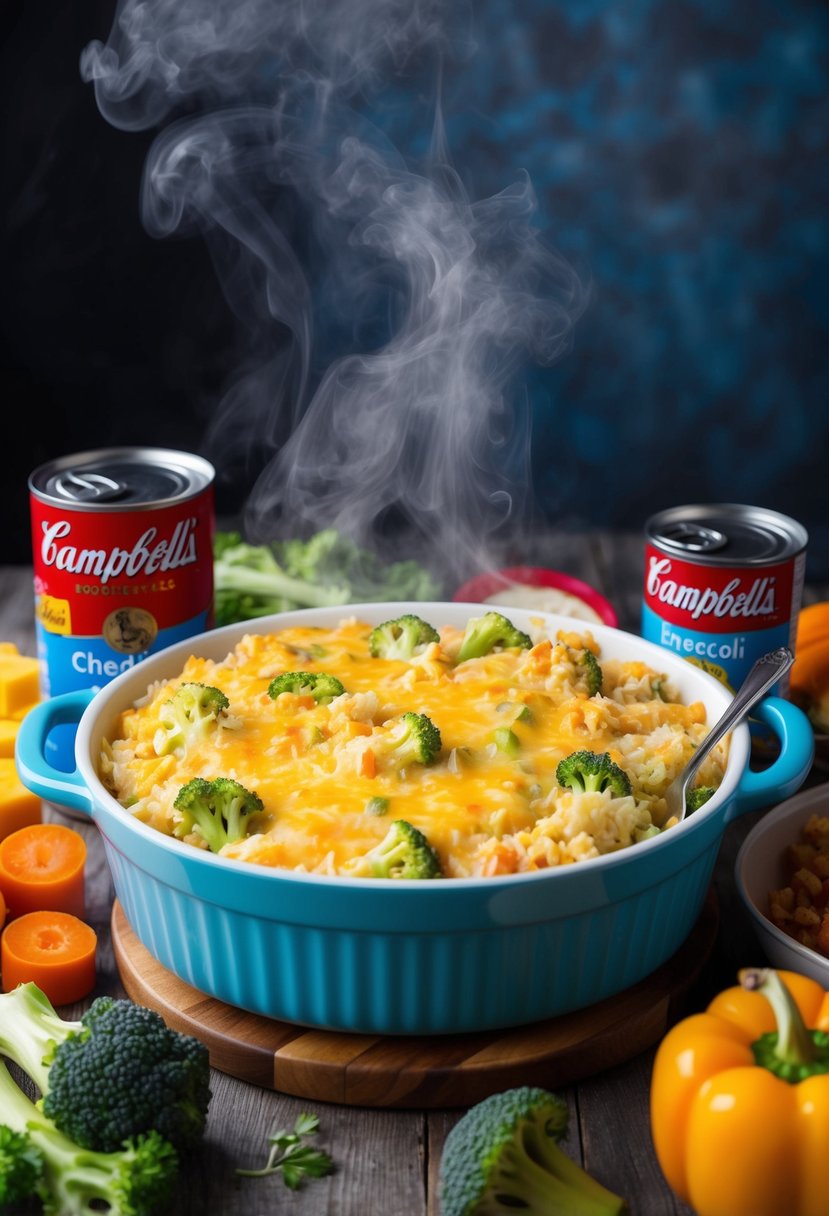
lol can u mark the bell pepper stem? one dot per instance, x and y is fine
(794, 1043)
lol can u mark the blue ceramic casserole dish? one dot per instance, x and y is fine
(394, 956)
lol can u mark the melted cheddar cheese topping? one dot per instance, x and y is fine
(489, 803)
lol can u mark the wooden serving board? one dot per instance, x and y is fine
(425, 1072)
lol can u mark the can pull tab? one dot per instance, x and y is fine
(692, 537)
(89, 487)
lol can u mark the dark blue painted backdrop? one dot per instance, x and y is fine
(679, 153)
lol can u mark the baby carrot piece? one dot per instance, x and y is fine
(54, 950)
(42, 868)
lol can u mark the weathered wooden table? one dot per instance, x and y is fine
(386, 1162)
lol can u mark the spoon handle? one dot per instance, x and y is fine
(766, 671)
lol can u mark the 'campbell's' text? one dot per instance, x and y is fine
(735, 599)
(147, 555)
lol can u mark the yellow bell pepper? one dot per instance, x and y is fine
(739, 1103)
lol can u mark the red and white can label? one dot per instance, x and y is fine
(722, 618)
(112, 587)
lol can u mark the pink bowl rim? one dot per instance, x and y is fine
(479, 588)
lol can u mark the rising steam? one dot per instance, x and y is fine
(319, 229)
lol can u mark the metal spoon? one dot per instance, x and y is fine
(766, 671)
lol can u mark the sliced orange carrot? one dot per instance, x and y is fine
(42, 867)
(2, 912)
(368, 763)
(54, 950)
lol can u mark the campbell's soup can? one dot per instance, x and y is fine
(122, 541)
(723, 585)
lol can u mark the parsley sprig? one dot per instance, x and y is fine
(291, 1157)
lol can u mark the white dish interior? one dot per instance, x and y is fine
(759, 869)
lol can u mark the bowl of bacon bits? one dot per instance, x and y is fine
(782, 874)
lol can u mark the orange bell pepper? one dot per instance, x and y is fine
(739, 1103)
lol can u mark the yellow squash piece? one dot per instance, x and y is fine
(8, 736)
(18, 806)
(19, 683)
(740, 1100)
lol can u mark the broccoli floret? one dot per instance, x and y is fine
(489, 632)
(193, 710)
(117, 1073)
(585, 770)
(401, 638)
(138, 1179)
(317, 684)
(413, 739)
(378, 805)
(21, 1166)
(697, 796)
(506, 741)
(592, 672)
(503, 1157)
(404, 852)
(221, 810)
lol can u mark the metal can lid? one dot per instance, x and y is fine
(111, 478)
(722, 533)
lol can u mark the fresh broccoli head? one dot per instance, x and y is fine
(36, 1158)
(697, 796)
(489, 632)
(404, 852)
(317, 684)
(413, 739)
(503, 1157)
(220, 810)
(193, 710)
(588, 771)
(117, 1073)
(401, 638)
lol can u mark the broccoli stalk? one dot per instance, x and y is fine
(137, 1179)
(118, 1072)
(588, 771)
(328, 568)
(404, 852)
(317, 684)
(413, 739)
(220, 810)
(503, 1156)
(489, 632)
(193, 710)
(249, 582)
(401, 638)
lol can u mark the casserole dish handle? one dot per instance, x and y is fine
(762, 787)
(34, 769)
